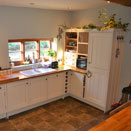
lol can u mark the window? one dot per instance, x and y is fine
(22, 49)
(44, 47)
(30, 49)
(15, 51)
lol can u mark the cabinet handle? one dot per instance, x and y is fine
(57, 75)
(27, 83)
(89, 74)
(0, 88)
(46, 79)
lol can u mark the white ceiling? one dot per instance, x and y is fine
(55, 4)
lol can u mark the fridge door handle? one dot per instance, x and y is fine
(89, 74)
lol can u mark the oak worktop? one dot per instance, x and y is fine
(121, 121)
(18, 76)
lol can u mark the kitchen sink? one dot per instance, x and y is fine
(37, 71)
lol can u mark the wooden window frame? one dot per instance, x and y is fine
(22, 41)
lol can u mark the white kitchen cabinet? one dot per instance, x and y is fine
(76, 84)
(104, 67)
(16, 95)
(96, 87)
(37, 91)
(2, 101)
(100, 49)
(56, 85)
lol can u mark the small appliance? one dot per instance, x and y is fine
(54, 64)
(82, 62)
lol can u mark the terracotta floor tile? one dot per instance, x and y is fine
(7, 126)
(20, 124)
(34, 120)
(64, 127)
(53, 121)
(85, 127)
(76, 123)
(75, 112)
(66, 114)
(65, 117)
(43, 126)
(46, 116)
(86, 118)
(53, 129)
(29, 128)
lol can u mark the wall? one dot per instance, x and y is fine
(85, 17)
(19, 22)
(126, 64)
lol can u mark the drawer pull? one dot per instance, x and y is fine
(0, 88)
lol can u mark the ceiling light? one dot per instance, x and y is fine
(69, 8)
(108, 2)
(32, 3)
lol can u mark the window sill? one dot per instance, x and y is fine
(24, 67)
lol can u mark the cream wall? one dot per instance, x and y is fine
(18, 23)
(85, 17)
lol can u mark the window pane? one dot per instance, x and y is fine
(44, 44)
(14, 46)
(44, 47)
(15, 56)
(29, 54)
(43, 53)
(30, 45)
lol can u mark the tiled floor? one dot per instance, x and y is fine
(62, 115)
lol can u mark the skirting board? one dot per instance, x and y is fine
(87, 102)
(48, 101)
(3, 116)
(34, 106)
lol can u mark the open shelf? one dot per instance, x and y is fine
(76, 43)
(71, 46)
(72, 39)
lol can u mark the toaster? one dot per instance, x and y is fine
(54, 64)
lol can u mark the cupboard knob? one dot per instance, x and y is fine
(27, 83)
(0, 88)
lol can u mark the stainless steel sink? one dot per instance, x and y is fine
(37, 71)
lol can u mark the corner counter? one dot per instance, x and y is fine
(15, 76)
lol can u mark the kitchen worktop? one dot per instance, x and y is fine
(121, 121)
(19, 76)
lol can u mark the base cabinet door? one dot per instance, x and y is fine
(16, 95)
(56, 85)
(2, 101)
(37, 90)
(96, 87)
(76, 84)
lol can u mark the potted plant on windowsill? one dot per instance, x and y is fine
(52, 55)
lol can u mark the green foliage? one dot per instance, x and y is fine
(44, 44)
(44, 53)
(52, 53)
(110, 21)
(30, 45)
(14, 46)
(85, 27)
(91, 26)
